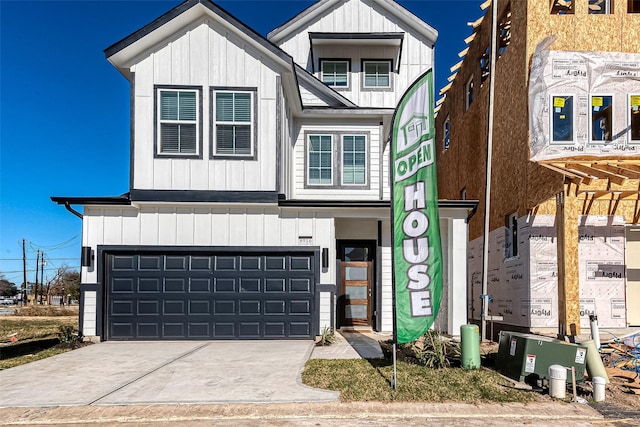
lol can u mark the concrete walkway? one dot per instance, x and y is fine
(351, 345)
(126, 373)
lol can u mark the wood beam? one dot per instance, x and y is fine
(470, 38)
(567, 210)
(598, 173)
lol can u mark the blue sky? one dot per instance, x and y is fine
(64, 110)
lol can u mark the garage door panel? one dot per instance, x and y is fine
(122, 285)
(210, 296)
(176, 263)
(300, 263)
(148, 308)
(150, 263)
(174, 307)
(225, 263)
(274, 285)
(200, 308)
(149, 285)
(122, 308)
(249, 263)
(199, 330)
(175, 285)
(224, 330)
(124, 263)
(224, 307)
(200, 285)
(148, 330)
(275, 263)
(201, 263)
(224, 285)
(173, 330)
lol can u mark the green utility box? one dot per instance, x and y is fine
(527, 357)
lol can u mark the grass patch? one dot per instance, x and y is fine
(27, 358)
(34, 327)
(370, 380)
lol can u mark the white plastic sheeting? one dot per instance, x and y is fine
(601, 257)
(583, 103)
(524, 289)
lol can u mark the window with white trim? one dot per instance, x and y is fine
(335, 73)
(354, 160)
(320, 160)
(377, 74)
(601, 118)
(177, 122)
(234, 123)
(562, 118)
(634, 118)
(600, 7)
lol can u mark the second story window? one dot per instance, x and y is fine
(634, 118)
(354, 160)
(446, 133)
(233, 123)
(335, 73)
(177, 131)
(601, 118)
(377, 74)
(633, 6)
(320, 160)
(469, 93)
(561, 7)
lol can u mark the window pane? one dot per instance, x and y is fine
(355, 292)
(354, 159)
(168, 105)
(601, 127)
(242, 107)
(186, 106)
(634, 111)
(177, 138)
(319, 158)
(335, 73)
(233, 139)
(376, 74)
(169, 138)
(562, 118)
(224, 107)
(242, 139)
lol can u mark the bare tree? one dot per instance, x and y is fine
(64, 282)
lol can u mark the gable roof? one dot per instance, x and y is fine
(314, 11)
(123, 52)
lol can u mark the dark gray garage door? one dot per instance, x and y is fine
(210, 296)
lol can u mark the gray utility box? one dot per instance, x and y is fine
(527, 357)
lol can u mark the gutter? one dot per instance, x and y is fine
(471, 214)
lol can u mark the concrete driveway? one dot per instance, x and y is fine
(125, 373)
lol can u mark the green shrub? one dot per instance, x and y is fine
(327, 337)
(431, 351)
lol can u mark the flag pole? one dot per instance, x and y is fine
(393, 277)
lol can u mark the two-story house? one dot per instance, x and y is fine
(562, 210)
(258, 204)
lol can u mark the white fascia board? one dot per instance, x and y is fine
(301, 20)
(129, 55)
(324, 112)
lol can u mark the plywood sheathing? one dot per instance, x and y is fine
(568, 210)
(617, 32)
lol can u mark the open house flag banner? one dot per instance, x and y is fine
(417, 252)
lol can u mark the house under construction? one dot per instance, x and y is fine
(564, 210)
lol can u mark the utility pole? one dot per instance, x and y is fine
(24, 269)
(42, 278)
(35, 290)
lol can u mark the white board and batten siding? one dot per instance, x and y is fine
(192, 58)
(336, 191)
(356, 16)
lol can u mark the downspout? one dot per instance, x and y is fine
(73, 211)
